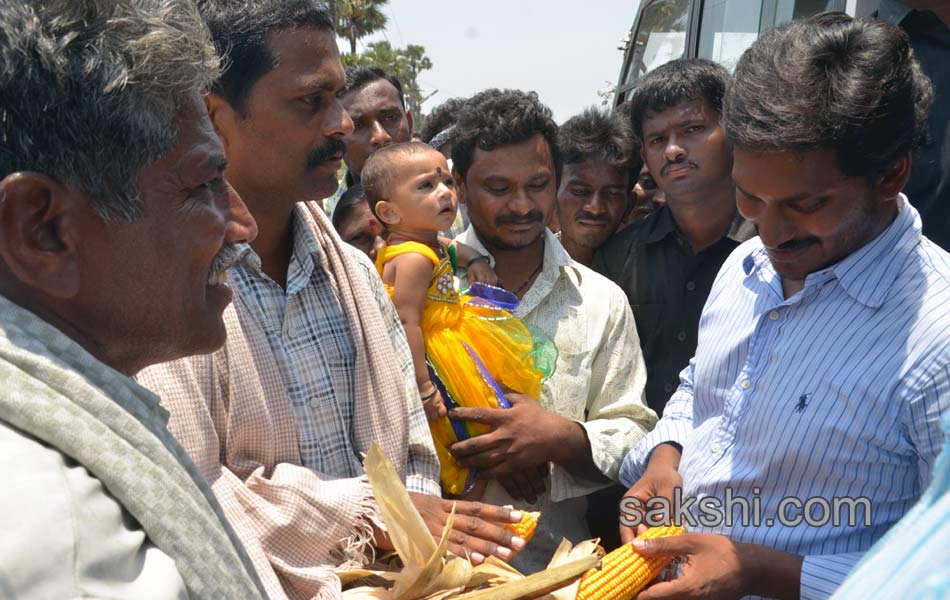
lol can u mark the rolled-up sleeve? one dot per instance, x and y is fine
(675, 426)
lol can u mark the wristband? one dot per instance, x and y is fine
(431, 394)
(476, 259)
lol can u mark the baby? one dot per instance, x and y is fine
(464, 347)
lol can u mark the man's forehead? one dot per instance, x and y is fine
(531, 157)
(378, 94)
(595, 173)
(308, 56)
(688, 108)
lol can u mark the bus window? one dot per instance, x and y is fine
(660, 38)
(728, 27)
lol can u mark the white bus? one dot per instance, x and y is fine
(720, 30)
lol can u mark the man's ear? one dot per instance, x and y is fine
(459, 185)
(409, 120)
(223, 117)
(894, 178)
(387, 213)
(40, 232)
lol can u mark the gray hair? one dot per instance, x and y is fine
(89, 90)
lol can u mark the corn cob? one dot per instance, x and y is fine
(526, 526)
(624, 572)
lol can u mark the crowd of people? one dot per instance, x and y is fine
(223, 280)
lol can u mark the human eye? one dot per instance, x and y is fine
(580, 191)
(653, 141)
(693, 129)
(449, 182)
(212, 188)
(538, 185)
(810, 205)
(425, 185)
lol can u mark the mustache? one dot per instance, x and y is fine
(587, 216)
(677, 163)
(793, 245)
(326, 151)
(528, 217)
(228, 256)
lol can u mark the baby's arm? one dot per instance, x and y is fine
(479, 270)
(410, 275)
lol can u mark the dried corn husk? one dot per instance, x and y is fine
(430, 572)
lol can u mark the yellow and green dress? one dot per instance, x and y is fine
(473, 348)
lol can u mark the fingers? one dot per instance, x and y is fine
(479, 537)
(488, 416)
(434, 407)
(480, 444)
(511, 486)
(627, 534)
(678, 588)
(486, 512)
(677, 545)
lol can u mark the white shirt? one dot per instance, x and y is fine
(598, 382)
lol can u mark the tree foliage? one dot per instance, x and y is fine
(356, 19)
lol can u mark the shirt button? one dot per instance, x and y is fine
(690, 286)
(681, 336)
(668, 388)
(715, 447)
(746, 384)
(314, 402)
(774, 315)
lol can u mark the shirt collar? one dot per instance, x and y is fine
(556, 262)
(867, 273)
(305, 254)
(662, 225)
(892, 11)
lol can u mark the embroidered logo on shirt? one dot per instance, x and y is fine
(802, 403)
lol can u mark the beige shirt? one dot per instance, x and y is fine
(598, 382)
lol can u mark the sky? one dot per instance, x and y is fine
(564, 50)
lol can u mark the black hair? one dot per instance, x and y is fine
(441, 118)
(599, 136)
(674, 82)
(494, 118)
(240, 29)
(351, 198)
(357, 77)
(831, 81)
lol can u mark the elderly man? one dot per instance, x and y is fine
(316, 365)
(598, 159)
(555, 452)
(823, 364)
(117, 229)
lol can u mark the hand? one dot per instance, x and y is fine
(526, 485)
(714, 567)
(523, 437)
(478, 529)
(481, 272)
(658, 481)
(434, 407)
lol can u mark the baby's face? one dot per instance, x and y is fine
(424, 192)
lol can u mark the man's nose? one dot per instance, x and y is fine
(380, 137)
(673, 151)
(241, 225)
(596, 204)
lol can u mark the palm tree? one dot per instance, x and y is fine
(357, 19)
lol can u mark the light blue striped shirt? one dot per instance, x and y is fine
(913, 560)
(837, 391)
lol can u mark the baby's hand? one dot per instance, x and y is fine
(434, 406)
(481, 272)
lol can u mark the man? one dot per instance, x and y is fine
(667, 263)
(823, 364)
(555, 452)
(927, 23)
(597, 160)
(316, 365)
(356, 223)
(375, 103)
(117, 230)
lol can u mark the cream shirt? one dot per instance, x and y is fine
(599, 382)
